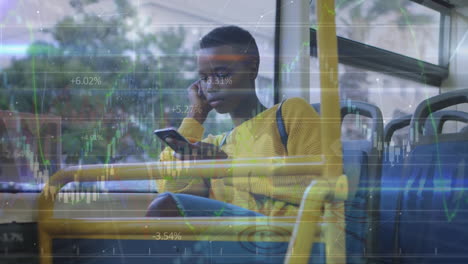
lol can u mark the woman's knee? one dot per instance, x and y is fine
(163, 205)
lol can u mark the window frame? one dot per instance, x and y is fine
(369, 57)
(276, 59)
(444, 8)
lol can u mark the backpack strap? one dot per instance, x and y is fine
(281, 127)
(279, 124)
(223, 141)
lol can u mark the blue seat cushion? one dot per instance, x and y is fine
(434, 219)
(356, 213)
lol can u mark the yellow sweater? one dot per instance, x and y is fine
(257, 137)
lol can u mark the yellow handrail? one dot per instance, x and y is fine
(329, 93)
(190, 228)
(318, 194)
(330, 125)
(302, 240)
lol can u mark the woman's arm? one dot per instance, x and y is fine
(303, 128)
(193, 131)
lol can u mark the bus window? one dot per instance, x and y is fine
(394, 96)
(363, 21)
(84, 84)
(111, 72)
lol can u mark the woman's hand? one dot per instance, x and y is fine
(197, 151)
(199, 107)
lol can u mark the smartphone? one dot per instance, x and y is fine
(163, 134)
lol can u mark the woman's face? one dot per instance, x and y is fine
(226, 77)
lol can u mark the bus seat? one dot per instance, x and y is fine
(371, 147)
(361, 208)
(437, 120)
(432, 221)
(355, 166)
(354, 147)
(392, 169)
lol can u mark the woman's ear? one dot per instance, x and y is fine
(253, 68)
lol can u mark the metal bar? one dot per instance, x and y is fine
(331, 186)
(306, 231)
(330, 119)
(438, 5)
(195, 229)
(329, 96)
(275, 166)
(375, 59)
(45, 244)
(268, 167)
(276, 80)
(290, 166)
(444, 40)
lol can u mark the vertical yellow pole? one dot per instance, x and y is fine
(330, 127)
(45, 240)
(45, 247)
(330, 101)
(307, 230)
(331, 183)
(46, 206)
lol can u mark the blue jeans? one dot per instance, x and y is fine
(192, 205)
(224, 251)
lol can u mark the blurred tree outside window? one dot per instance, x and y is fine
(112, 71)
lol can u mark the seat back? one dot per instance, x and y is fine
(365, 156)
(371, 147)
(431, 222)
(392, 169)
(435, 122)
